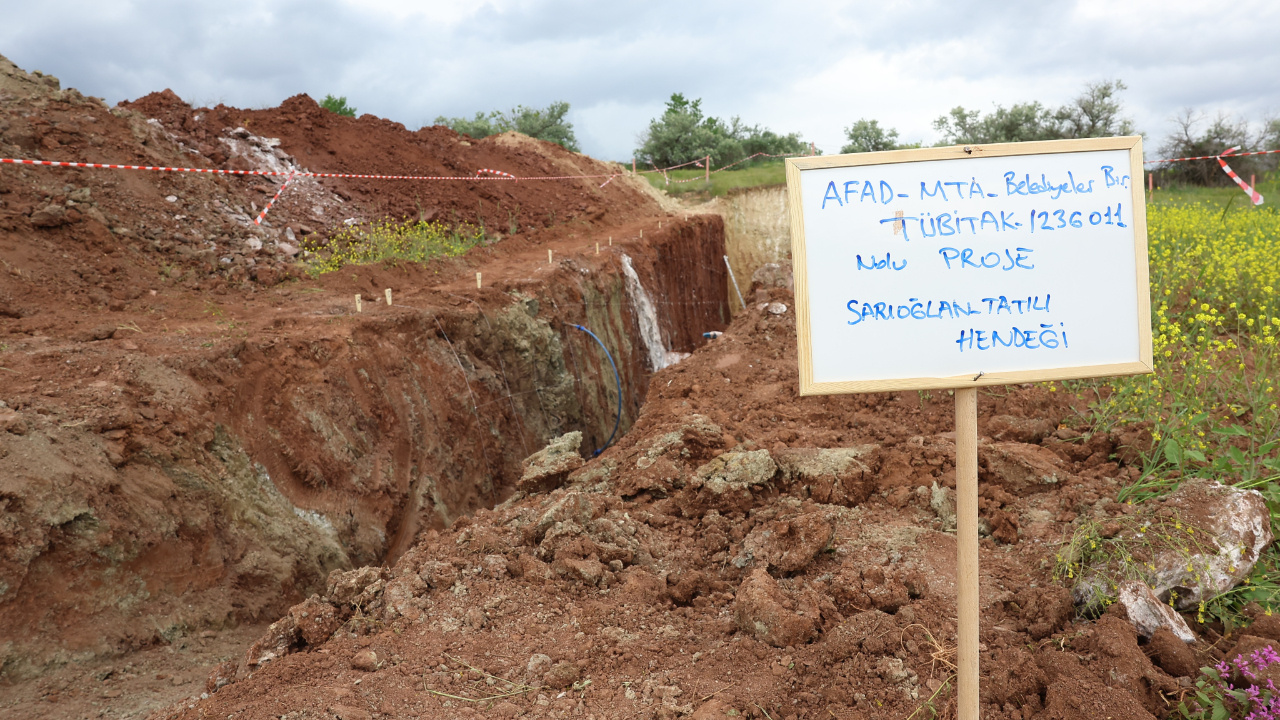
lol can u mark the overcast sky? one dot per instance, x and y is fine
(811, 68)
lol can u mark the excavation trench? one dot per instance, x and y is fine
(418, 418)
(227, 484)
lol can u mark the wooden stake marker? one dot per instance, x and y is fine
(548, 257)
(477, 281)
(963, 267)
(597, 248)
(388, 292)
(359, 307)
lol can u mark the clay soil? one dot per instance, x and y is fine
(740, 551)
(645, 589)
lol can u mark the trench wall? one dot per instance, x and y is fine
(244, 475)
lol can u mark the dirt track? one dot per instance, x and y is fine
(195, 435)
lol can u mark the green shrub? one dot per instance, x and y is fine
(683, 133)
(548, 124)
(338, 105)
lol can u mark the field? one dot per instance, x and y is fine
(768, 173)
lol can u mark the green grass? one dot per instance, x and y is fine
(770, 173)
(1213, 403)
(388, 241)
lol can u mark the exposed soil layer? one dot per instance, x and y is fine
(741, 549)
(196, 438)
(194, 434)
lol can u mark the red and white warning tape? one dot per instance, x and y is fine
(275, 197)
(1254, 195)
(1209, 157)
(215, 171)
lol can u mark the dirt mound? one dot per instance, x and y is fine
(321, 141)
(739, 550)
(193, 434)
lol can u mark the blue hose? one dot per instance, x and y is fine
(617, 420)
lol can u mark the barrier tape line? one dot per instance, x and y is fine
(483, 174)
(216, 171)
(275, 197)
(1209, 157)
(1254, 195)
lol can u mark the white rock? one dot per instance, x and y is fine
(287, 249)
(253, 244)
(172, 198)
(1148, 614)
(777, 308)
(1236, 520)
(1215, 536)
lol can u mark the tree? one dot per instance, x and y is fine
(683, 133)
(1017, 123)
(548, 124)
(1189, 141)
(338, 105)
(867, 136)
(544, 124)
(680, 135)
(1270, 140)
(1094, 113)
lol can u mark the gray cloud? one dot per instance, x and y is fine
(812, 68)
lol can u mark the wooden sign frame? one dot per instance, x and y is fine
(966, 386)
(958, 154)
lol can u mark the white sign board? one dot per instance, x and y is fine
(954, 267)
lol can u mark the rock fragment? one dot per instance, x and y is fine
(365, 661)
(537, 666)
(736, 472)
(49, 216)
(760, 611)
(347, 587)
(1019, 429)
(839, 476)
(547, 469)
(1021, 469)
(1148, 614)
(1237, 521)
(561, 675)
(788, 546)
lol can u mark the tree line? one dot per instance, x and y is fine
(683, 132)
(1096, 112)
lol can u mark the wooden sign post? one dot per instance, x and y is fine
(962, 267)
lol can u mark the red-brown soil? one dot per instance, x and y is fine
(823, 590)
(196, 438)
(194, 434)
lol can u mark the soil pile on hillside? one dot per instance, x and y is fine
(741, 551)
(153, 340)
